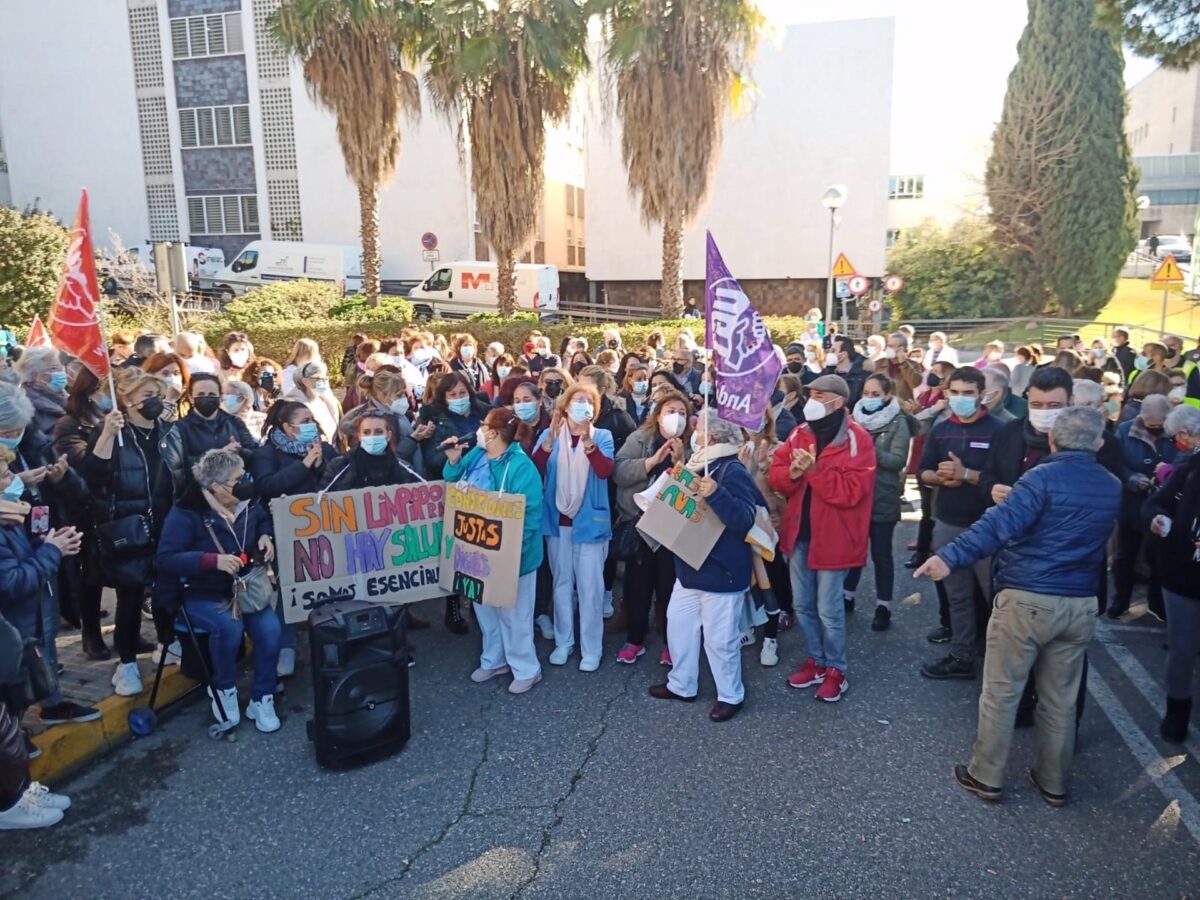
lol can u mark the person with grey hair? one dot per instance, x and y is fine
(708, 601)
(214, 545)
(1047, 539)
(995, 394)
(44, 378)
(905, 373)
(311, 387)
(1087, 393)
(1145, 445)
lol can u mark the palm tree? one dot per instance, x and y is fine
(503, 69)
(675, 67)
(355, 54)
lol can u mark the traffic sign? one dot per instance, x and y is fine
(858, 284)
(1168, 272)
(892, 283)
(429, 240)
(431, 255)
(841, 289)
(842, 267)
(874, 306)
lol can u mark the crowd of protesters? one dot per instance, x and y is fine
(159, 488)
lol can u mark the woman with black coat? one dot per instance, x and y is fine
(205, 427)
(122, 474)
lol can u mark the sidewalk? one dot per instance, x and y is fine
(88, 682)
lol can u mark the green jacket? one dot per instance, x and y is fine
(520, 476)
(892, 444)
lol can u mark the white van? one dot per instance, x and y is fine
(461, 288)
(262, 262)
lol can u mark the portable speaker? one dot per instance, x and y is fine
(360, 680)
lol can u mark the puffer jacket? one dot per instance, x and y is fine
(614, 418)
(28, 568)
(1049, 534)
(1141, 454)
(278, 473)
(728, 568)
(1179, 501)
(193, 436)
(64, 497)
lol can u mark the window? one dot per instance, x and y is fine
(214, 126)
(229, 214)
(539, 252)
(580, 256)
(570, 192)
(579, 202)
(439, 280)
(570, 254)
(217, 35)
(906, 187)
(1181, 197)
(248, 260)
(893, 235)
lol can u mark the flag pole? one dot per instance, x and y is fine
(112, 384)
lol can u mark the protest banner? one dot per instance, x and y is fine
(675, 516)
(481, 556)
(377, 544)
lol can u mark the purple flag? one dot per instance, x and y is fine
(746, 364)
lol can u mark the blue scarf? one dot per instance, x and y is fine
(288, 445)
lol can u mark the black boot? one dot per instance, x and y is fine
(455, 623)
(1174, 727)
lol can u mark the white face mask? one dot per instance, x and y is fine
(467, 352)
(1177, 394)
(671, 425)
(479, 438)
(238, 358)
(400, 406)
(814, 410)
(1043, 419)
(696, 446)
(832, 359)
(890, 353)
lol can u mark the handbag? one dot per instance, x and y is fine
(34, 681)
(626, 541)
(253, 591)
(123, 537)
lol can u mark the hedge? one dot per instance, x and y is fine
(276, 341)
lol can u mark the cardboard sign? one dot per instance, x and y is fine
(678, 518)
(481, 552)
(379, 544)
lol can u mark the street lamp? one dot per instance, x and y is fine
(832, 200)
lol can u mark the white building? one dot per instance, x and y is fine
(186, 122)
(821, 116)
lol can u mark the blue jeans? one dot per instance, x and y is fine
(820, 609)
(287, 633)
(225, 636)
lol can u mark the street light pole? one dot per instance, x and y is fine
(832, 200)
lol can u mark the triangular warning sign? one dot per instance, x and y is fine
(842, 267)
(1167, 272)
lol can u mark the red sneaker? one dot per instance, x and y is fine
(807, 674)
(833, 687)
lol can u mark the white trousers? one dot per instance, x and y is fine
(691, 612)
(508, 633)
(578, 568)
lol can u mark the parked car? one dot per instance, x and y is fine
(462, 288)
(1175, 245)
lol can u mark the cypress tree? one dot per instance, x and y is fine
(1060, 179)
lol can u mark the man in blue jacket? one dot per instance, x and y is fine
(1048, 537)
(710, 598)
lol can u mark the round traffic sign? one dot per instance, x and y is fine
(892, 283)
(874, 306)
(858, 284)
(429, 241)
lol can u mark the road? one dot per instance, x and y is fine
(589, 788)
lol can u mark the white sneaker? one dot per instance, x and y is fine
(769, 655)
(480, 675)
(43, 795)
(560, 655)
(589, 665)
(262, 714)
(747, 638)
(174, 653)
(286, 667)
(521, 685)
(546, 626)
(609, 612)
(127, 680)
(229, 702)
(29, 812)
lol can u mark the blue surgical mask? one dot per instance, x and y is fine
(580, 411)
(231, 402)
(1141, 363)
(502, 372)
(374, 444)
(307, 432)
(705, 388)
(964, 407)
(872, 404)
(103, 402)
(58, 381)
(320, 386)
(640, 388)
(527, 411)
(14, 489)
(458, 405)
(13, 443)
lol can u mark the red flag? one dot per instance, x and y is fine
(37, 334)
(75, 314)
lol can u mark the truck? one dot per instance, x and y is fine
(458, 289)
(262, 262)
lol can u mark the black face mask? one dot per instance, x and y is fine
(206, 405)
(553, 388)
(795, 367)
(244, 489)
(267, 381)
(151, 407)
(679, 368)
(1156, 430)
(932, 380)
(614, 344)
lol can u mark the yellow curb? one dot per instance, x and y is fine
(67, 747)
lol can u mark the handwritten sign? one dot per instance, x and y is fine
(481, 553)
(379, 544)
(677, 517)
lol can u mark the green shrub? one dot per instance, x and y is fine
(284, 301)
(33, 245)
(531, 318)
(356, 309)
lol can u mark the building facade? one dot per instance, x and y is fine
(820, 116)
(187, 122)
(1163, 128)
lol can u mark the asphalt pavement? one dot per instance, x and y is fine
(588, 788)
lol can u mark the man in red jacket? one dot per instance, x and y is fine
(826, 469)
